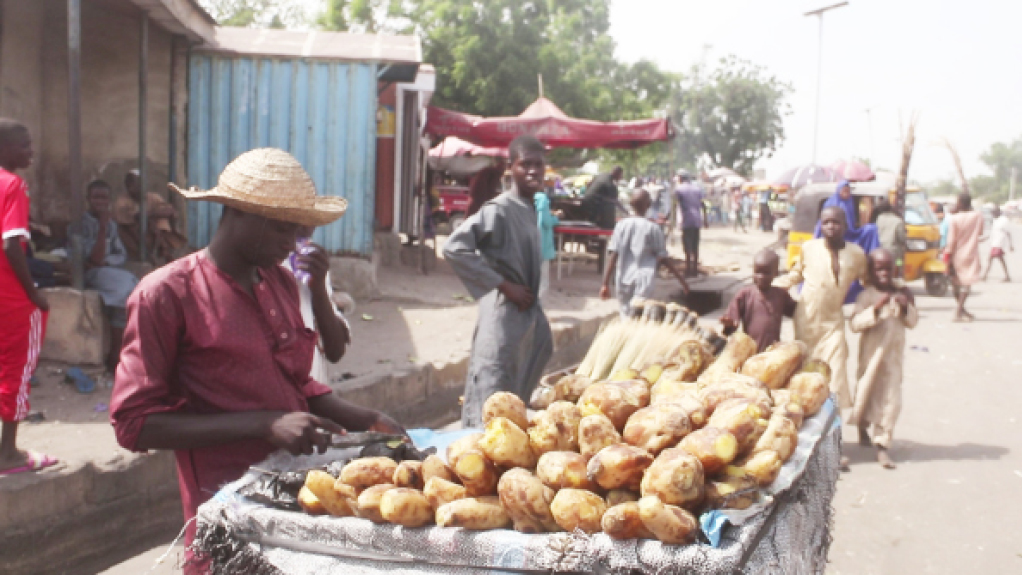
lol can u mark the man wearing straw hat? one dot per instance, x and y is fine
(216, 358)
(497, 255)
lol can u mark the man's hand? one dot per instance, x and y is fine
(301, 433)
(902, 300)
(884, 300)
(40, 300)
(729, 323)
(385, 424)
(316, 264)
(517, 294)
(604, 292)
(684, 286)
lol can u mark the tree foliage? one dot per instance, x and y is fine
(256, 13)
(734, 118)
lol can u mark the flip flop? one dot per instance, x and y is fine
(34, 462)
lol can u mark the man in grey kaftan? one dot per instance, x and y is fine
(510, 347)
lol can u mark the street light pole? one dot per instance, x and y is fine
(819, 68)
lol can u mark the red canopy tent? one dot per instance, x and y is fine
(550, 125)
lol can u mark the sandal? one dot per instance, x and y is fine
(33, 462)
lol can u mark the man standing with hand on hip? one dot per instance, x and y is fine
(497, 255)
(216, 358)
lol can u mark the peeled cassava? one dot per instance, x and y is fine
(810, 390)
(506, 444)
(570, 387)
(409, 474)
(594, 433)
(775, 366)
(439, 492)
(733, 489)
(321, 486)
(477, 473)
(455, 449)
(781, 436)
(698, 413)
(508, 406)
(668, 523)
(691, 357)
(407, 507)
(735, 386)
(369, 502)
(309, 502)
(791, 410)
(715, 448)
(763, 466)
(623, 521)
(657, 427)
(433, 466)
(555, 429)
(619, 496)
(638, 387)
(542, 396)
(668, 389)
(527, 501)
(676, 477)
(619, 466)
(563, 469)
(578, 509)
(476, 514)
(615, 402)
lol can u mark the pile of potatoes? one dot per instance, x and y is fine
(638, 455)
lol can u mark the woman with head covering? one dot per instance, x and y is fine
(865, 236)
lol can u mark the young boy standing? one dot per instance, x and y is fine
(760, 308)
(882, 314)
(496, 253)
(23, 307)
(637, 248)
(1000, 242)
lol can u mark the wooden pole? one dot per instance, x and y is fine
(74, 136)
(143, 109)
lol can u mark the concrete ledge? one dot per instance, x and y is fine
(82, 519)
(355, 276)
(76, 332)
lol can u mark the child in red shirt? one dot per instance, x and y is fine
(23, 307)
(760, 308)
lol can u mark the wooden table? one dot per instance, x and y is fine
(568, 232)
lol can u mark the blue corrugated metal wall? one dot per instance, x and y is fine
(322, 112)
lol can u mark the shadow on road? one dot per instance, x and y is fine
(912, 451)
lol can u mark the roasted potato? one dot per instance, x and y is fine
(369, 502)
(406, 507)
(698, 413)
(676, 477)
(563, 469)
(409, 474)
(619, 496)
(763, 466)
(310, 503)
(477, 473)
(578, 509)
(368, 471)
(433, 466)
(617, 403)
(505, 444)
(454, 450)
(570, 387)
(542, 397)
(619, 466)
(321, 485)
(810, 390)
(743, 419)
(638, 387)
(739, 348)
(439, 491)
(733, 489)
(527, 501)
(712, 446)
(475, 514)
(775, 366)
(781, 436)
(555, 429)
(508, 406)
(348, 494)
(668, 523)
(657, 427)
(623, 521)
(594, 433)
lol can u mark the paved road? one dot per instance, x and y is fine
(954, 505)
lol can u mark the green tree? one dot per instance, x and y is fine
(371, 16)
(733, 118)
(257, 13)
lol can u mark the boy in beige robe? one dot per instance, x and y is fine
(882, 314)
(827, 267)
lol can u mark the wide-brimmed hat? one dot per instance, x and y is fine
(271, 183)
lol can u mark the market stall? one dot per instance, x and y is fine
(708, 459)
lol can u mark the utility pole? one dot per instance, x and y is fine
(819, 68)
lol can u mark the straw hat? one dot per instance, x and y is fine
(271, 183)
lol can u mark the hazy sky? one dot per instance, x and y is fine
(953, 61)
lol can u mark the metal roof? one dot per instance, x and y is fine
(183, 17)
